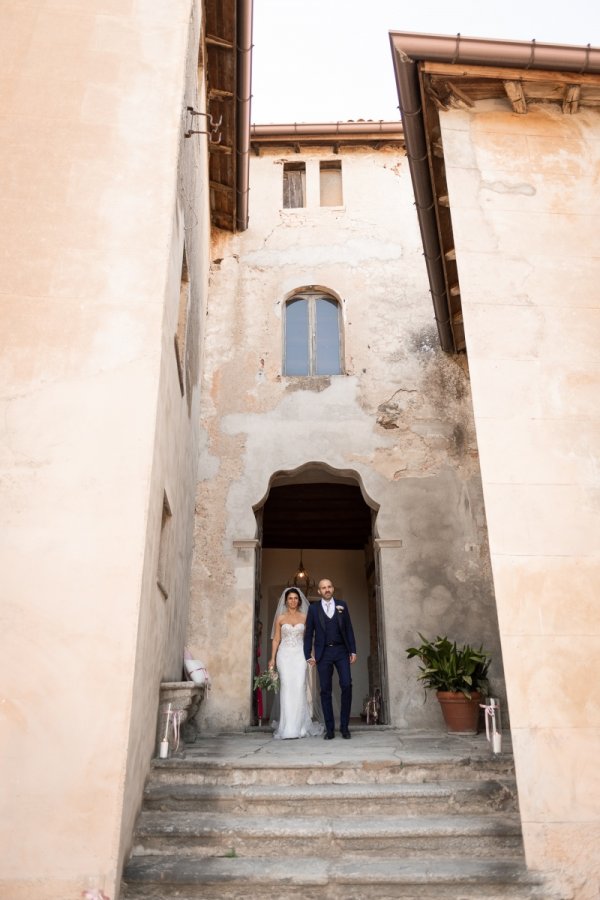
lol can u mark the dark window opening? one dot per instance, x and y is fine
(294, 185)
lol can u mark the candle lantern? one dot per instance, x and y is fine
(164, 744)
(493, 723)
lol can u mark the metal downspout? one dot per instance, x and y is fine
(243, 101)
(407, 79)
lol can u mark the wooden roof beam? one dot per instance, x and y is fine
(516, 95)
(219, 186)
(502, 73)
(572, 98)
(214, 41)
(219, 94)
(220, 148)
(462, 99)
(433, 92)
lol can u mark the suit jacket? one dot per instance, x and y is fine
(315, 628)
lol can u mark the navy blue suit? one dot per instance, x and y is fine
(333, 644)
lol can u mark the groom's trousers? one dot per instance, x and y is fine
(336, 656)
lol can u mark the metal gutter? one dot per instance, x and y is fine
(243, 103)
(329, 129)
(408, 50)
(481, 51)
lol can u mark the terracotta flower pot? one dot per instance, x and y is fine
(461, 715)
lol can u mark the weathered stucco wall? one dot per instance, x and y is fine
(94, 427)
(399, 419)
(525, 211)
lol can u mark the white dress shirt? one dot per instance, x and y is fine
(329, 607)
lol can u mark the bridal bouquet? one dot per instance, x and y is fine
(268, 680)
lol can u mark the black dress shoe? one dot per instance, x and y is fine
(328, 736)
(346, 734)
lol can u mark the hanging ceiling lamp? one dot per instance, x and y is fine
(302, 579)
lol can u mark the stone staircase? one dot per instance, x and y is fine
(355, 825)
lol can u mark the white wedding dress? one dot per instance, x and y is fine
(294, 713)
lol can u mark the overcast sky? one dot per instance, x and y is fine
(330, 60)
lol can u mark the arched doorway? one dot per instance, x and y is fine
(323, 516)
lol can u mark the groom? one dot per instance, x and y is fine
(328, 622)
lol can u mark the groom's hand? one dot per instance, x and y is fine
(352, 658)
(311, 661)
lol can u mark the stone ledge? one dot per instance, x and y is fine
(185, 698)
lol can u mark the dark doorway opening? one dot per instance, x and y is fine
(323, 516)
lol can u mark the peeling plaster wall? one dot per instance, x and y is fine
(400, 419)
(94, 427)
(526, 214)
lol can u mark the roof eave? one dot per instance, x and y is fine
(228, 52)
(334, 134)
(409, 52)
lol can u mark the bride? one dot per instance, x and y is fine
(288, 648)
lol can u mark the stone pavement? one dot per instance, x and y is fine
(372, 743)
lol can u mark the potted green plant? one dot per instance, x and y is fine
(459, 677)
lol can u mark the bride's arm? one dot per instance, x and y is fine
(275, 644)
(308, 637)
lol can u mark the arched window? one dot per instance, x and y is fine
(312, 335)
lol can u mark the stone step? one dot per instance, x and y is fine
(399, 815)
(194, 770)
(214, 834)
(373, 798)
(468, 878)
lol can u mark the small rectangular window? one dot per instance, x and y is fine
(294, 185)
(181, 333)
(331, 183)
(162, 575)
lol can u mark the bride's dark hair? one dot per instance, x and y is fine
(282, 606)
(292, 590)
